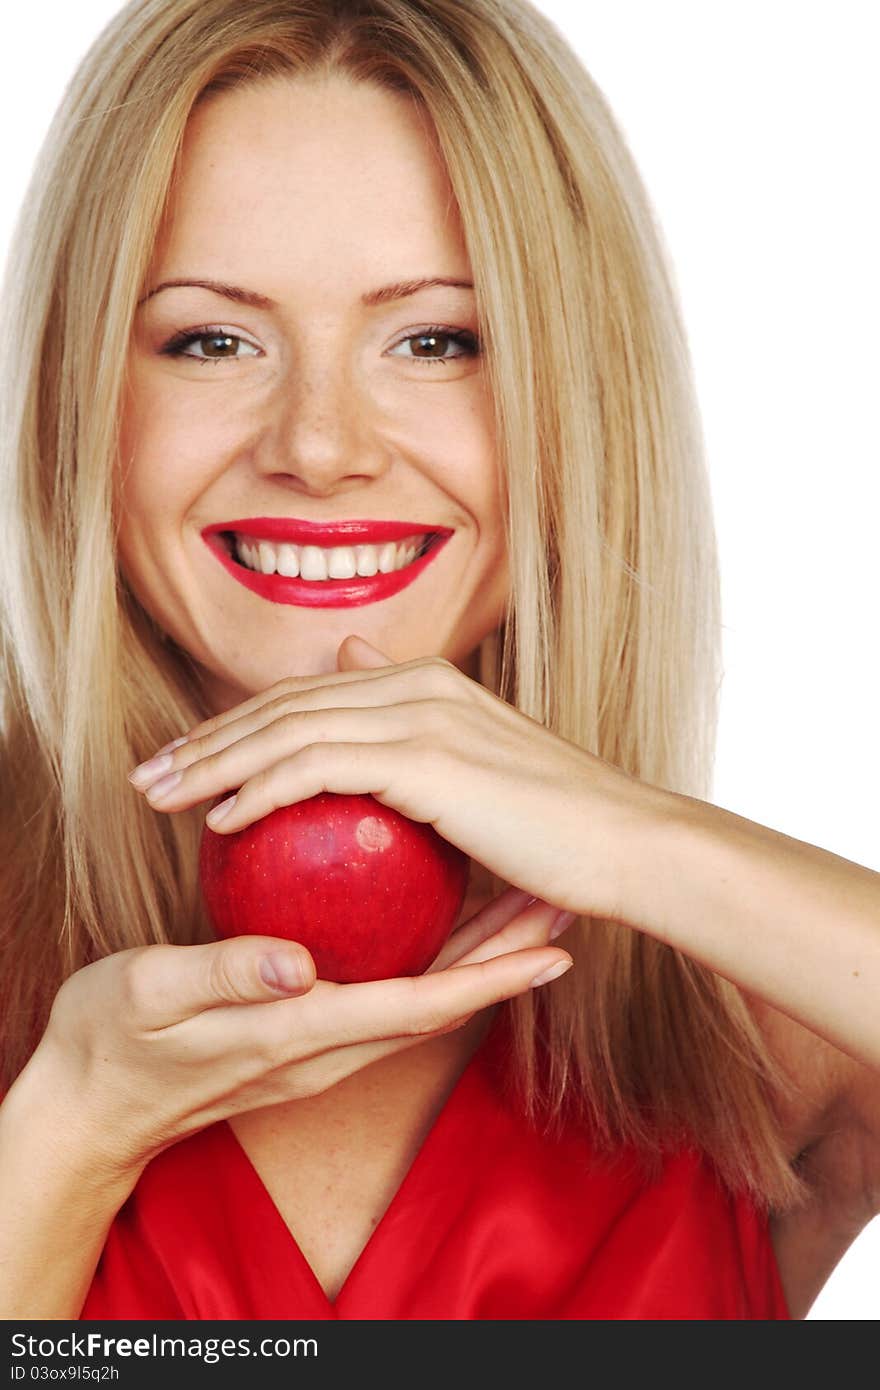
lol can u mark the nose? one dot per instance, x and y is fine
(324, 435)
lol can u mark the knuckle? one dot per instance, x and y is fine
(268, 785)
(196, 746)
(291, 720)
(136, 984)
(202, 766)
(283, 700)
(200, 733)
(440, 677)
(224, 980)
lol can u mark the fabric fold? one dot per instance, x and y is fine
(493, 1221)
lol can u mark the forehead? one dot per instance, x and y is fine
(310, 175)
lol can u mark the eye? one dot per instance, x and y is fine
(218, 344)
(219, 341)
(436, 340)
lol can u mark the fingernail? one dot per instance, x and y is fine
(282, 971)
(552, 972)
(165, 785)
(145, 773)
(560, 922)
(215, 817)
(170, 747)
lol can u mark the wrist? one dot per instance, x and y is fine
(51, 1118)
(651, 827)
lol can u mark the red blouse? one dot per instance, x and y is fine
(492, 1221)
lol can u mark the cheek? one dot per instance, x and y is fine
(155, 479)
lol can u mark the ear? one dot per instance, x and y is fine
(357, 654)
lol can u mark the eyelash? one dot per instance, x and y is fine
(175, 346)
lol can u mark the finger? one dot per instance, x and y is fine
(335, 1015)
(294, 685)
(356, 653)
(369, 693)
(490, 919)
(331, 1017)
(348, 769)
(259, 758)
(529, 927)
(166, 984)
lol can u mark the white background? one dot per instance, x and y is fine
(755, 127)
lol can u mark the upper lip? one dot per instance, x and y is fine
(287, 528)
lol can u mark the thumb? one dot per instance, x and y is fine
(249, 969)
(357, 654)
(289, 970)
(182, 981)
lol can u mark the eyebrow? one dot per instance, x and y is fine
(401, 289)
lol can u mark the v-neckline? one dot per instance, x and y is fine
(431, 1141)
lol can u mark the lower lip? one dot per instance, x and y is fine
(323, 593)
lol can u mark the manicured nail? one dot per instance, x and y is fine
(165, 785)
(215, 817)
(145, 773)
(552, 972)
(560, 922)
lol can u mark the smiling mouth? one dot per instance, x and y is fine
(320, 564)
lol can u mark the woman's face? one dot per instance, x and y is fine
(295, 399)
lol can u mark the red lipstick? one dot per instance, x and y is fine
(323, 593)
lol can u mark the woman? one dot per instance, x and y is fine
(686, 1126)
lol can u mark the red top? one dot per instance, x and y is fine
(493, 1221)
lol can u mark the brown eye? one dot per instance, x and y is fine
(215, 343)
(219, 345)
(432, 345)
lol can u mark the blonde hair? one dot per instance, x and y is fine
(611, 637)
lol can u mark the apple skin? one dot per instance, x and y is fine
(370, 893)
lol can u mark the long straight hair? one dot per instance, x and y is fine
(611, 636)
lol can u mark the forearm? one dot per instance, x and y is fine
(792, 924)
(57, 1204)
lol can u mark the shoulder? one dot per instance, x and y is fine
(832, 1130)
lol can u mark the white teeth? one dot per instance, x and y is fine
(367, 563)
(313, 563)
(267, 557)
(387, 557)
(287, 562)
(341, 563)
(316, 562)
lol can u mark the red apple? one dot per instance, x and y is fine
(370, 893)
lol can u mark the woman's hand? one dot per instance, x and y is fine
(152, 1044)
(537, 810)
